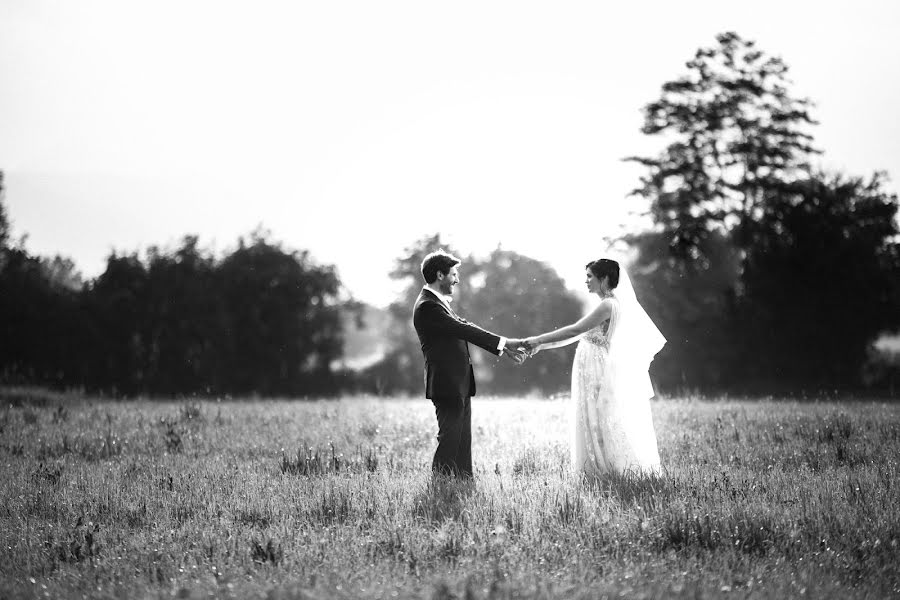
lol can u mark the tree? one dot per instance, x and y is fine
(4, 228)
(283, 317)
(692, 303)
(61, 272)
(516, 295)
(4, 222)
(506, 293)
(183, 325)
(749, 231)
(735, 130)
(119, 346)
(822, 282)
(260, 320)
(41, 323)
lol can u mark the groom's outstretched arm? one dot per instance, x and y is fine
(431, 318)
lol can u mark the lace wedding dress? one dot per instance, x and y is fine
(612, 424)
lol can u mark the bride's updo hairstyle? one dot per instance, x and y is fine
(605, 267)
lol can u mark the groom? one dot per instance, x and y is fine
(449, 377)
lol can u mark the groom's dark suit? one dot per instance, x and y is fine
(449, 378)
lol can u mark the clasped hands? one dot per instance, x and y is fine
(521, 349)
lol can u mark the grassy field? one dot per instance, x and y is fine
(332, 499)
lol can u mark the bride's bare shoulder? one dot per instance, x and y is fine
(600, 313)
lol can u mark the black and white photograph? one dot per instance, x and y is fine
(455, 301)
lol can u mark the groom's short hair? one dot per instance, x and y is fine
(437, 261)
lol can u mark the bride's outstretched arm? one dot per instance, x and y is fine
(559, 344)
(534, 350)
(570, 333)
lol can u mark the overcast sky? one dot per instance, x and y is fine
(353, 128)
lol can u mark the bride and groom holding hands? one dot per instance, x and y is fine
(612, 426)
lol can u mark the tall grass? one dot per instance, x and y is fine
(281, 499)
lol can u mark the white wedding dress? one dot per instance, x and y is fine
(612, 425)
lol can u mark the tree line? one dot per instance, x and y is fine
(765, 273)
(258, 320)
(505, 292)
(261, 319)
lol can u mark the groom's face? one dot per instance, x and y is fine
(447, 282)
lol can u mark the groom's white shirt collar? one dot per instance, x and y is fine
(445, 300)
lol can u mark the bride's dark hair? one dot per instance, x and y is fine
(605, 267)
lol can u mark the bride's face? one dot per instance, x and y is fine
(593, 284)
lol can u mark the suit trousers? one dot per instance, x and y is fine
(454, 451)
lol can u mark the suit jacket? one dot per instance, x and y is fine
(445, 344)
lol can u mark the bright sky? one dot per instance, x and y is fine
(353, 128)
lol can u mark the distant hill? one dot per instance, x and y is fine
(366, 346)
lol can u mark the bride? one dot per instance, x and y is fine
(611, 390)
